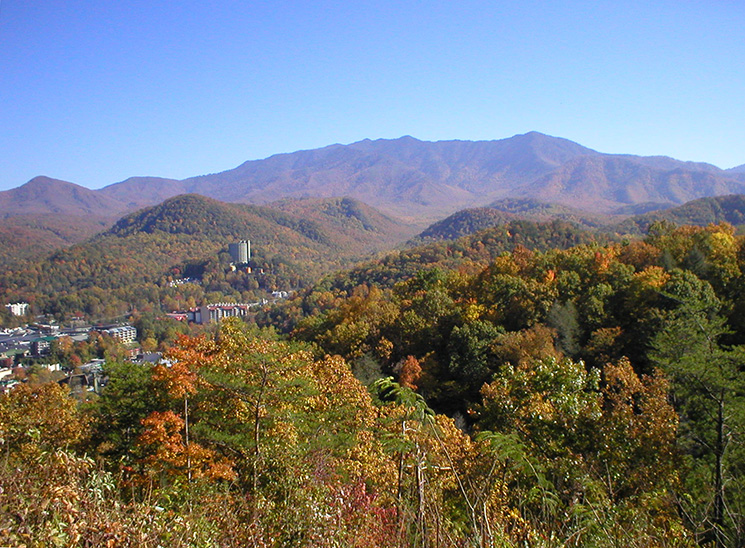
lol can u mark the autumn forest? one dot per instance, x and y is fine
(530, 384)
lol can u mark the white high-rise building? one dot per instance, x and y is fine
(240, 252)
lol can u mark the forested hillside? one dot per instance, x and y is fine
(516, 345)
(128, 267)
(468, 221)
(719, 209)
(527, 385)
(34, 236)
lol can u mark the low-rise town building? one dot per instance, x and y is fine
(123, 333)
(17, 309)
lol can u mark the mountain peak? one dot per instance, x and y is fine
(42, 181)
(182, 214)
(534, 135)
(536, 138)
(45, 195)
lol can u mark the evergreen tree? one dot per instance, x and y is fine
(708, 386)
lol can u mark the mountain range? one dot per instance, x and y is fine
(416, 181)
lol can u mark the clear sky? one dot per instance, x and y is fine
(95, 91)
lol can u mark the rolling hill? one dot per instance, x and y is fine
(469, 221)
(719, 209)
(729, 209)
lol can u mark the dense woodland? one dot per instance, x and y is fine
(528, 385)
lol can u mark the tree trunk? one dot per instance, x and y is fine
(186, 432)
(718, 481)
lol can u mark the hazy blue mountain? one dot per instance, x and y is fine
(423, 182)
(47, 195)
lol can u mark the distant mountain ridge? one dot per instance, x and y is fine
(421, 181)
(717, 209)
(405, 177)
(701, 212)
(47, 214)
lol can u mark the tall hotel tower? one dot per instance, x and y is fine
(240, 252)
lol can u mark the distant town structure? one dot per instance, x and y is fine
(240, 252)
(214, 312)
(17, 309)
(123, 333)
(217, 311)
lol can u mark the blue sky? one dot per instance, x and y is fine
(94, 92)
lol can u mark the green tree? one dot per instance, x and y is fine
(130, 395)
(708, 386)
(472, 359)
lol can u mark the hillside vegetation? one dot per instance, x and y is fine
(719, 209)
(704, 211)
(467, 393)
(128, 267)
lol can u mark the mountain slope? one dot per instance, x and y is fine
(465, 254)
(47, 214)
(701, 212)
(719, 209)
(464, 222)
(469, 221)
(737, 173)
(34, 236)
(139, 192)
(346, 219)
(406, 177)
(343, 223)
(426, 181)
(605, 183)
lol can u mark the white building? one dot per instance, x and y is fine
(217, 311)
(240, 252)
(124, 333)
(17, 309)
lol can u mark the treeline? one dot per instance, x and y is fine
(704, 211)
